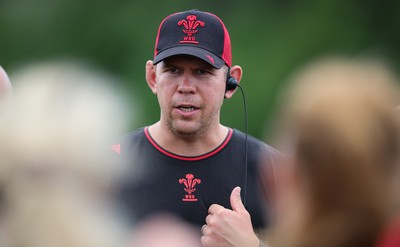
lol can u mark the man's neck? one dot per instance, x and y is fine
(188, 145)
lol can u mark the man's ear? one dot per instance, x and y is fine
(151, 76)
(237, 73)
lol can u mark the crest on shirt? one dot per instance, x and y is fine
(189, 182)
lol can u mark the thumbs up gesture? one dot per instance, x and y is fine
(225, 227)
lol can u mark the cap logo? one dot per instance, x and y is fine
(191, 23)
(210, 58)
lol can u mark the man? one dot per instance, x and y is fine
(188, 164)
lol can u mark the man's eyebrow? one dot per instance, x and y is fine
(206, 67)
(168, 62)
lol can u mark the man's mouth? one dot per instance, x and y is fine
(186, 108)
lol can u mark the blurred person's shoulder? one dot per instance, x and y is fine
(128, 141)
(390, 236)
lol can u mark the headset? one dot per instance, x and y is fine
(232, 84)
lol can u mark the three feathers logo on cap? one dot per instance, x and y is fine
(196, 33)
(190, 24)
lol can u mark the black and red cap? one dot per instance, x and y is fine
(196, 33)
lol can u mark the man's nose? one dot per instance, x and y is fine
(187, 84)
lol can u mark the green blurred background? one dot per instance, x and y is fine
(270, 39)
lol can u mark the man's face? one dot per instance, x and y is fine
(190, 93)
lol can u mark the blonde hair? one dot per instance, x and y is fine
(54, 168)
(340, 125)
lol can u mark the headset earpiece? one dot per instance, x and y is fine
(231, 83)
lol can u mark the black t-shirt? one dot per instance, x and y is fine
(160, 181)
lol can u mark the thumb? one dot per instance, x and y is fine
(236, 201)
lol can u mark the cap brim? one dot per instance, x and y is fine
(205, 55)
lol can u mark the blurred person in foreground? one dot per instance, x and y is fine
(188, 164)
(340, 133)
(391, 234)
(164, 230)
(54, 173)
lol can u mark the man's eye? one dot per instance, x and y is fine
(202, 72)
(173, 70)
